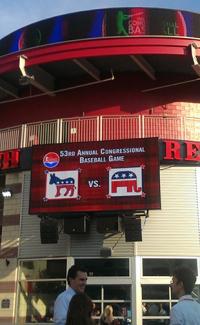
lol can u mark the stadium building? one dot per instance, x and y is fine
(99, 161)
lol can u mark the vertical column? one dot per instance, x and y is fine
(9, 250)
(136, 291)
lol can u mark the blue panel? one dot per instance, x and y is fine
(96, 28)
(188, 21)
(15, 42)
(57, 32)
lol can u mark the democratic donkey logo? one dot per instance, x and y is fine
(62, 185)
(125, 181)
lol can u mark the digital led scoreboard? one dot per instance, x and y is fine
(96, 176)
(103, 23)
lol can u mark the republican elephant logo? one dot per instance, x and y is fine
(125, 181)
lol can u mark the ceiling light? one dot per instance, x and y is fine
(6, 193)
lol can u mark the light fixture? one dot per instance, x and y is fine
(6, 193)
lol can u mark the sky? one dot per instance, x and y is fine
(18, 13)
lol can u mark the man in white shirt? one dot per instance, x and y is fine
(187, 310)
(77, 279)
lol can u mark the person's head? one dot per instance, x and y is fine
(77, 278)
(183, 281)
(80, 310)
(108, 313)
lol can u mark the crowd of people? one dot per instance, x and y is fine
(74, 307)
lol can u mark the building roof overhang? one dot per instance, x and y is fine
(69, 62)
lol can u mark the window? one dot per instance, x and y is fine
(196, 292)
(40, 281)
(155, 304)
(118, 296)
(155, 291)
(43, 269)
(165, 267)
(105, 267)
(39, 284)
(157, 298)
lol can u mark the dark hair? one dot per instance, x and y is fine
(80, 309)
(72, 272)
(187, 276)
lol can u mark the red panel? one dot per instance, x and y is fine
(95, 176)
(9, 159)
(139, 21)
(118, 97)
(100, 47)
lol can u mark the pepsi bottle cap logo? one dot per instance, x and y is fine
(51, 160)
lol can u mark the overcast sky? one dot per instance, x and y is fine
(18, 13)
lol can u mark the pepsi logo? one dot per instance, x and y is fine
(51, 160)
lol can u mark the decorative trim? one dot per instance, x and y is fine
(99, 47)
(11, 220)
(9, 252)
(8, 286)
(6, 320)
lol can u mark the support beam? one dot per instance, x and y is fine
(36, 77)
(144, 65)
(42, 80)
(8, 89)
(195, 65)
(170, 85)
(88, 67)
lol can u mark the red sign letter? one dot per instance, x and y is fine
(192, 151)
(172, 150)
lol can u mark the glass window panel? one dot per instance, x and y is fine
(94, 292)
(96, 321)
(43, 269)
(155, 291)
(36, 300)
(117, 292)
(165, 267)
(196, 293)
(174, 303)
(122, 310)
(97, 310)
(155, 322)
(173, 296)
(105, 267)
(155, 309)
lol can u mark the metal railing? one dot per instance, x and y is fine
(163, 127)
(80, 129)
(10, 138)
(120, 127)
(40, 133)
(99, 128)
